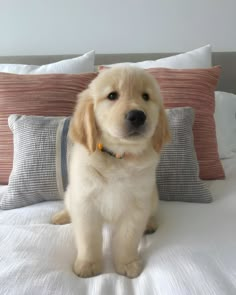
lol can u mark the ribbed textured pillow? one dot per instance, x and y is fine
(40, 160)
(44, 95)
(41, 156)
(195, 88)
(178, 171)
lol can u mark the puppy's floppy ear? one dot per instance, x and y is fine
(162, 132)
(83, 127)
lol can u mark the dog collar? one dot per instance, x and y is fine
(109, 152)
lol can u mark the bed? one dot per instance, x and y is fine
(192, 252)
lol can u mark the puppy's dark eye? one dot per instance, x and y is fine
(145, 96)
(113, 96)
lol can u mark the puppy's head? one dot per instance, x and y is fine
(122, 106)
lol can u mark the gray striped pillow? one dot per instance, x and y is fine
(178, 171)
(41, 155)
(40, 160)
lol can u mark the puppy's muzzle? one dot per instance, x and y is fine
(135, 120)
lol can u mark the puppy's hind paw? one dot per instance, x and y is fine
(151, 226)
(61, 217)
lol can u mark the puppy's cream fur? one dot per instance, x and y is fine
(105, 189)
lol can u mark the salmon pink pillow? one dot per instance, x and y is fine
(195, 88)
(42, 95)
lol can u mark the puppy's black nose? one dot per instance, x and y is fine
(136, 118)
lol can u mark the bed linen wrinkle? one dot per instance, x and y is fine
(192, 252)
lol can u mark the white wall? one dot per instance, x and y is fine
(33, 27)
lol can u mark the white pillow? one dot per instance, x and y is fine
(225, 118)
(81, 64)
(198, 58)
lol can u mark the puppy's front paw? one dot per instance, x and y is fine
(131, 269)
(86, 269)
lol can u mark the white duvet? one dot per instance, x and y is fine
(193, 251)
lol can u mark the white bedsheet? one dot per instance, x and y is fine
(193, 251)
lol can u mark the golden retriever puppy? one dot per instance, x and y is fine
(118, 128)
